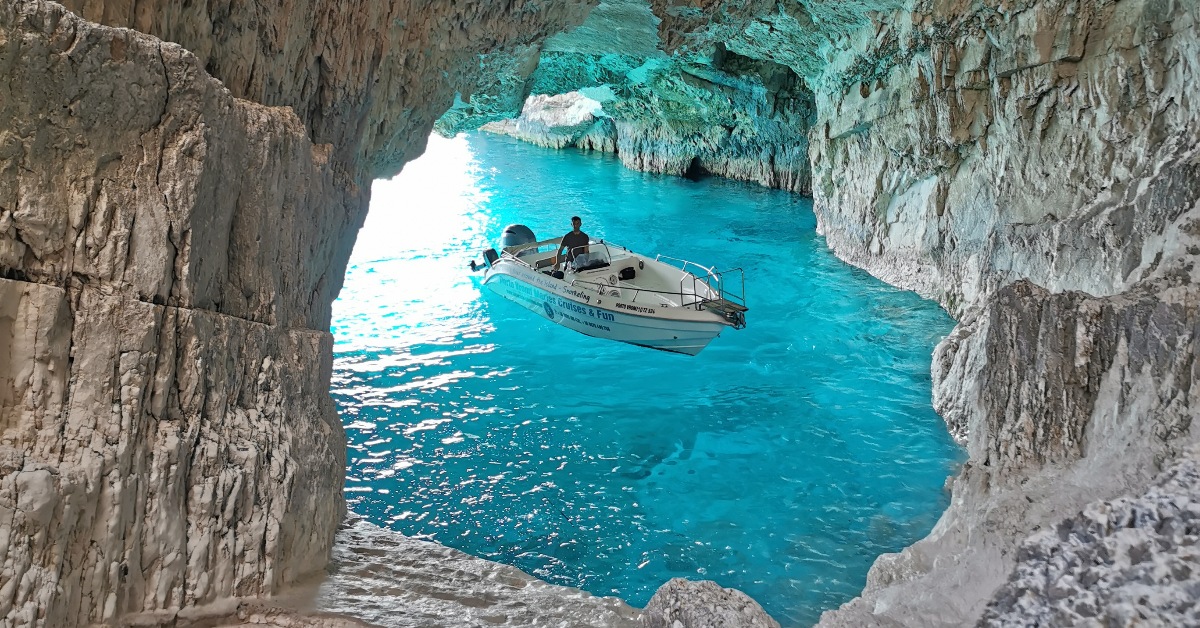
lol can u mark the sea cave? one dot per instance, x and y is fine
(1015, 186)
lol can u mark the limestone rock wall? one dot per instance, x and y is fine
(961, 146)
(156, 457)
(1046, 144)
(1040, 379)
(733, 117)
(1062, 398)
(727, 116)
(1112, 562)
(166, 432)
(129, 168)
(1050, 141)
(368, 78)
(1032, 166)
(717, 113)
(174, 225)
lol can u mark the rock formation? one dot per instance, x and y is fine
(178, 198)
(392, 580)
(167, 436)
(717, 114)
(1121, 562)
(570, 119)
(174, 224)
(1033, 167)
(681, 602)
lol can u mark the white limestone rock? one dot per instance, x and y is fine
(558, 121)
(705, 604)
(1062, 399)
(1129, 561)
(166, 434)
(717, 113)
(193, 460)
(392, 580)
(956, 152)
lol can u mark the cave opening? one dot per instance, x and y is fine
(613, 468)
(695, 170)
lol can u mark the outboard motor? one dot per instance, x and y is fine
(489, 257)
(515, 235)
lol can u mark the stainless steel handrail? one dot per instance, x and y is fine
(683, 263)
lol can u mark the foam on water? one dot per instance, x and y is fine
(780, 461)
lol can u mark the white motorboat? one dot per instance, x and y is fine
(611, 292)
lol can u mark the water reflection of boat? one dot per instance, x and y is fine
(611, 292)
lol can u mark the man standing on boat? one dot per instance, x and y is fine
(575, 242)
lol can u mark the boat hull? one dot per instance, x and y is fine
(684, 330)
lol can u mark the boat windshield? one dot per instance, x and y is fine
(594, 255)
(544, 254)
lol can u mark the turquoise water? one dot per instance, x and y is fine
(781, 461)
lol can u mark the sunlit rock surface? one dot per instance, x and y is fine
(1121, 562)
(571, 119)
(686, 604)
(393, 580)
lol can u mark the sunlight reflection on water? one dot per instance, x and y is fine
(779, 461)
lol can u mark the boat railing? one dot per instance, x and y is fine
(711, 278)
(718, 283)
(683, 264)
(602, 286)
(711, 290)
(719, 295)
(523, 253)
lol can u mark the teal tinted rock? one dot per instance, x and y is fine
(724, 115)
(715, 112)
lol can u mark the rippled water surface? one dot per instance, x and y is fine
(781, 461)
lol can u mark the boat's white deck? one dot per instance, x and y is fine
(652, 282)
